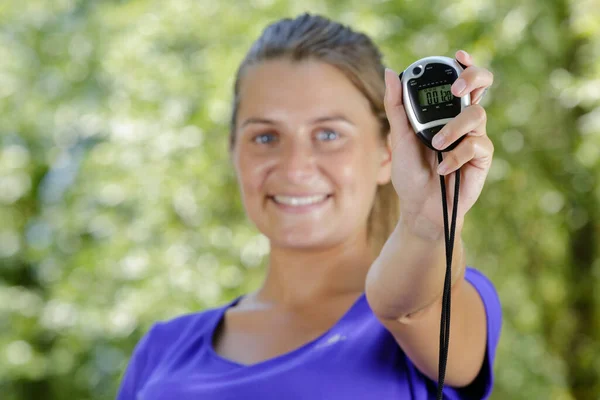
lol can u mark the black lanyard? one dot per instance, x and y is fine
(449, 239)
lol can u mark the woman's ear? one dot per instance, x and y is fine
(385, 167)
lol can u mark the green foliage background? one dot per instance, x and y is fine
(118, 206)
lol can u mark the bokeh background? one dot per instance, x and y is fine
(118, 206)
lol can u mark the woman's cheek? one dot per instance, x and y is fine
(256, 176)
(345, 168)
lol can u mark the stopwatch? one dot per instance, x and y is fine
(428, 100)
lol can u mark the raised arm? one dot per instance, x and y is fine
(404, 289)
(404, 285)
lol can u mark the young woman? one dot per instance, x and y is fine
(331, 172)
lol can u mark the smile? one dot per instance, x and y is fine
(298, 201)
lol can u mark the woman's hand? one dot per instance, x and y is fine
(415, 173)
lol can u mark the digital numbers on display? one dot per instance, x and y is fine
(435, 95)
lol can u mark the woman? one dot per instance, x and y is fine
(350, 307)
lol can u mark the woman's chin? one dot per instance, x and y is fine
(301, 239)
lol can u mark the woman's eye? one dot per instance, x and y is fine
(264, 138)
(327, 135)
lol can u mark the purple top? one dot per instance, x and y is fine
(356, 359)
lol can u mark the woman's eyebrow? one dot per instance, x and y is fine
(326, 118)
(330, 118)
(257, 121)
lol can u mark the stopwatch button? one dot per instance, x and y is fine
(461, 64)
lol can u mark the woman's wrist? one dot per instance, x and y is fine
(422, 227)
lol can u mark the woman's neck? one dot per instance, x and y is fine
(297, 277)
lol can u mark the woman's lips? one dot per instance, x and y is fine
(300, 204)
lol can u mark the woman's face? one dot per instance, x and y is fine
(308, 154)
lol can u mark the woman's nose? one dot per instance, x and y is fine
(298, 162)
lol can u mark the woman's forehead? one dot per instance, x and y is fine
(310, 86)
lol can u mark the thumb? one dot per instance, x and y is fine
(393, 89)
(394, 107)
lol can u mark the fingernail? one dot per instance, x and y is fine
(443, 169)
(465, 53)
(459, 86)
(438, 141)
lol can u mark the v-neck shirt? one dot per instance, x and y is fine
(357, 358)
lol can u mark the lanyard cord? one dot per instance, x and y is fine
(449, 239)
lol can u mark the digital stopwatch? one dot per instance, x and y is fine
(428, 101)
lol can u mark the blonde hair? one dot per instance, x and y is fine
(318, 38)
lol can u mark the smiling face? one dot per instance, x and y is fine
(308, 154)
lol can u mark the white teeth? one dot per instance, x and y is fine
(300, 201)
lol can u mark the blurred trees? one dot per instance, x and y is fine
(118, 206)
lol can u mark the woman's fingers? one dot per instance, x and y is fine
(471, 79)
(394, 108)
(478, 150)
(464, 58)
(472, 120)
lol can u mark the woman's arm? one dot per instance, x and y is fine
(404, 289)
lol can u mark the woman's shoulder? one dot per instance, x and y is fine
(482, 283)
(190, 323)
(168, 340)
(473, 274)
(170, 333)
(489, 295)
